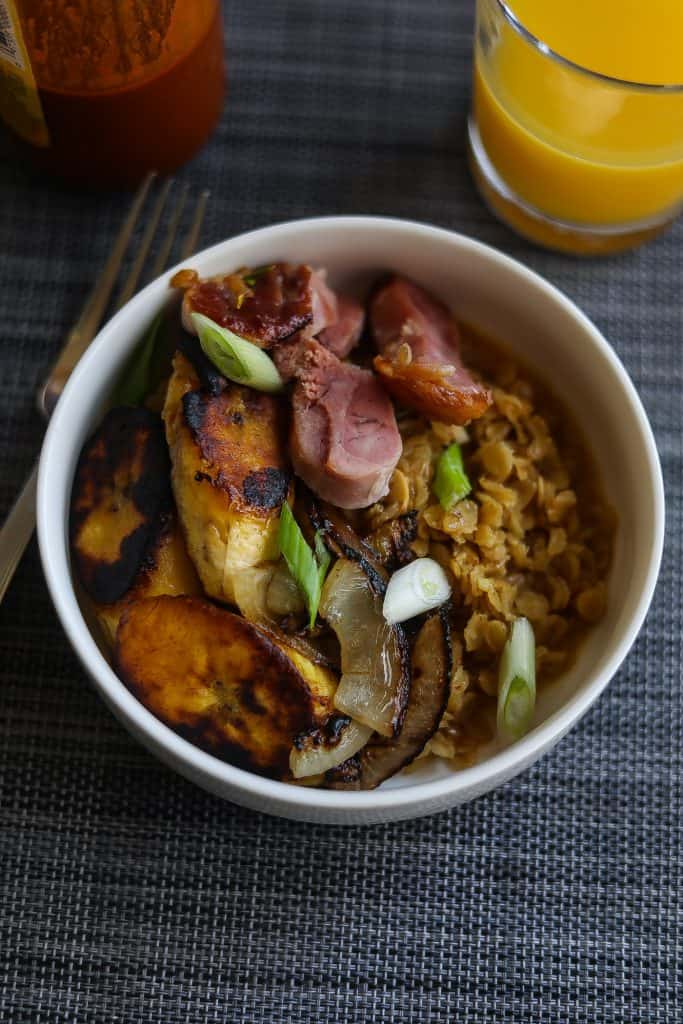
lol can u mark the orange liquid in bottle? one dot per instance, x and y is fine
(126, 86)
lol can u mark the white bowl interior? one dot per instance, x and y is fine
(492, 293)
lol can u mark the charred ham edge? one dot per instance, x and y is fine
(270, 304)
(279, 302)
(419, 358)
(432, 666)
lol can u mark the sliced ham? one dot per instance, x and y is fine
(419, 354)
(344, 442)
(345, 332)
(269, 305)
(279, 301)
(324, 304)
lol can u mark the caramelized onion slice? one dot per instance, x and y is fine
(432, 666)
(375, 681)
(317, 752)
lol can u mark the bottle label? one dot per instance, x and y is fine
(20, 105)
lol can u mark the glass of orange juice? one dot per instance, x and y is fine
(576, 130)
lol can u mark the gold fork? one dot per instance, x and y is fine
(20, 523)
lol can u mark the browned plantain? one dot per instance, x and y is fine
(230, 475)
(121, 494)
(392, 541)
(165, 569)
(222, 682)
(125, 539)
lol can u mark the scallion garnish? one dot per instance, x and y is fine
(450, 481)
(236, 358)
(136, 381)
(416, 588)
(517, 681)
(308, 569)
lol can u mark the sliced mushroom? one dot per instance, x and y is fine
(392, 541)
(342, 539)
(432, 664)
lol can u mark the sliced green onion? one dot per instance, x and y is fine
(517, 681)
(307, 568)
(250, 278)
(414, 589)
(236, 358)
(450, 481)
(136, 381)
(323, 559)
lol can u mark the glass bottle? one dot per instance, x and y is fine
(101, 91)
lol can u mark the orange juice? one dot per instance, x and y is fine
(579, 146)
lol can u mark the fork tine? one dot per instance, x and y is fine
(167, 244)
(190, 243)
(96, 303)
(128, 289)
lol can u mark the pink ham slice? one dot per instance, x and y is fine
(280, 302)
(344, 334)
(344, 442)
(419, 354)
(324, 303)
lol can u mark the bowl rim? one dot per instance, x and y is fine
(53, 544)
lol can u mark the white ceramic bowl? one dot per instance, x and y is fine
(492, 292)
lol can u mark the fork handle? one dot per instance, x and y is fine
(17, 530)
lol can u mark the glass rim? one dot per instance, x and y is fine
(538, 44)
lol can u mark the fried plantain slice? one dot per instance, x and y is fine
(230, 475)
(392, 541)
(121, 496)
(165, 569)
(221, 682)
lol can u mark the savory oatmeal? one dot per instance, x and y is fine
(323, 538)
(533, 539)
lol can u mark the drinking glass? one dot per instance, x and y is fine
(569, 157)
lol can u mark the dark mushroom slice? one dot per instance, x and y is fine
(432, 665)
(392, 541)
(341, 538)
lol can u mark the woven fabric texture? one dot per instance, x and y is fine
(126, 894)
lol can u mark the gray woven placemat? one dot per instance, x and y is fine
(127, 895)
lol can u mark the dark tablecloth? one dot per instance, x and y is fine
(128, 895)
